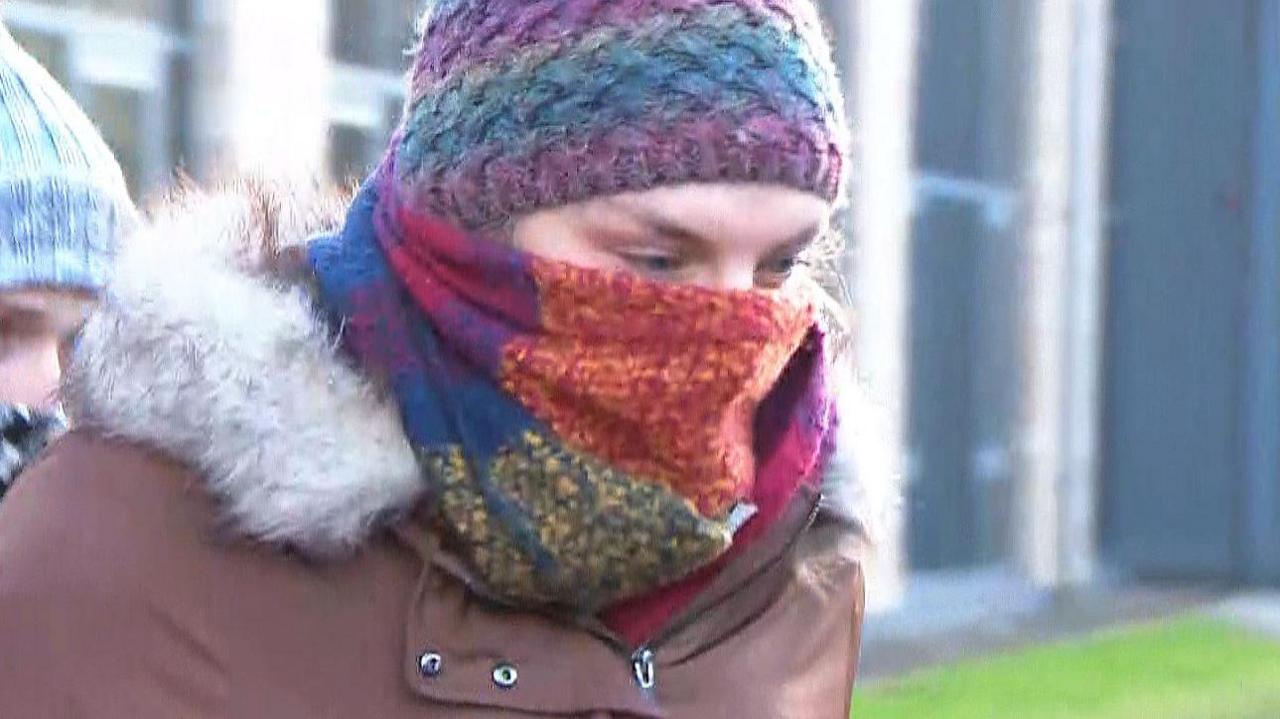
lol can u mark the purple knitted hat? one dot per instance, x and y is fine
(517, 105)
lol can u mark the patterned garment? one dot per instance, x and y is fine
(586, 437)
(63, 201)
(23, 434)
(516, 105)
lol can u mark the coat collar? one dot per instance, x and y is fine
(207, 345)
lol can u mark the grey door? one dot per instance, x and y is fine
(1182, 177)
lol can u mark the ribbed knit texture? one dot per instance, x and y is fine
(63, 200)
(518, 105)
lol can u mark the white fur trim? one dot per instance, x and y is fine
(862, 482)
(191, 353)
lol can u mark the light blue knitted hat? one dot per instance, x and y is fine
(63, 199)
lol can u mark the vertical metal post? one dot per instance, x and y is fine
(1056, 497)
(884, 37)
(1086, 287)
(1046, 179)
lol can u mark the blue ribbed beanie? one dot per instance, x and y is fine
(63, 199)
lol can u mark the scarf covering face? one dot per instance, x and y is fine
(586, 437)
(23, 434)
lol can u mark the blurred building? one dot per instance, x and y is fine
(218, 86)
(1090, 350)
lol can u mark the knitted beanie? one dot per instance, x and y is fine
(518, 105)
(63, 200)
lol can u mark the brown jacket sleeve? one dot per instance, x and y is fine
(82, 634)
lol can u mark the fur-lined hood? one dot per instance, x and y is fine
(207, 345)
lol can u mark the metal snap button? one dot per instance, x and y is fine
(505, 675)
(430, 664)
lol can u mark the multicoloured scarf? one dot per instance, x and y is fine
(586, 437)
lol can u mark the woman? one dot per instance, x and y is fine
(63, 204)
(538, 431)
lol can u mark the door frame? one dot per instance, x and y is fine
(1260, 398)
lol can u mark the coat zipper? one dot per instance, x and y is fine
(644, 659)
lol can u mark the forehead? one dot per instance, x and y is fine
(41, 310)
(750, 214)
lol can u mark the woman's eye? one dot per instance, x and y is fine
(780, 267)
(653, 262)
(774, 273)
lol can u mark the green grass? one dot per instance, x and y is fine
(1191, 667)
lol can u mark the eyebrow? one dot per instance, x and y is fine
(22, 321)
(802, 241)
(654, 221)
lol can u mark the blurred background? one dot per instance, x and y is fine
(1067, 258)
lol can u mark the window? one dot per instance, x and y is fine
(394, 109)
(369, 40)
(161, 11)
(373, 33)
(181, 112)
(49, 50)
(119, 115)
(966, 265)
(351, 153)
(129, 74)
(56, 3)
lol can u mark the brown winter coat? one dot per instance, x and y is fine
(231, 533)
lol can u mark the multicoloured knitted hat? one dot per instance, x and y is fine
(518, 105)
(63, 200)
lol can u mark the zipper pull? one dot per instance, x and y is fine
(642, 667)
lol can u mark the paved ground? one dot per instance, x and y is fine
(984, 614)
(1256, 611)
